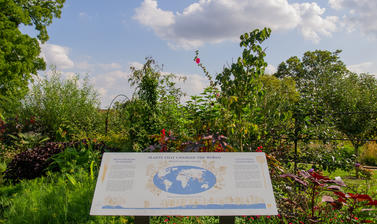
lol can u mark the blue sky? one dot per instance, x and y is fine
(103, 38)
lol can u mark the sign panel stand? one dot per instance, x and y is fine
(141, 219)
(184, 184)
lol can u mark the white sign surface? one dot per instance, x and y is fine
(187, 184)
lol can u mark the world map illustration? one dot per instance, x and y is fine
(184, 179)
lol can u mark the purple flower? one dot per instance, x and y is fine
(311, 170)
(357, 164)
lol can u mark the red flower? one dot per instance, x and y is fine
(197, 60)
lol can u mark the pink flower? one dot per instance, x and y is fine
(197, 60)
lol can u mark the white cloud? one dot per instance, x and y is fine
(102, 92)
(216, 21)
(56, 55)
(84, 65)
(336, 4)
(360, 14)
(68, 75)
(84, 16)
(365, 67)
(110, 84)
(270, 69)
(312, 24)
(148, 14)
(193, 84)
(136, 65)
(110, 66)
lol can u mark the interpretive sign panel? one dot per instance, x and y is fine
(187, 184)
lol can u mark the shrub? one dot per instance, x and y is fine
(313, 198)
(33, 163)
(62, 107)
(328, 157)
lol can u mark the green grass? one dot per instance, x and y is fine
(357, 185)
(52, 199)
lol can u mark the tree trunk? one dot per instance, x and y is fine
(356, 145)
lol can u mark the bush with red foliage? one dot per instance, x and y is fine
(32, 163)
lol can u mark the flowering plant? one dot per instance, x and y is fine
(316, 198)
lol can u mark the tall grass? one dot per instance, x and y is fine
(52, 199)
(369, 154)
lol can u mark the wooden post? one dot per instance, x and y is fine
(141, 219)
(227, 219)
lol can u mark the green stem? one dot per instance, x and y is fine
(313, 199)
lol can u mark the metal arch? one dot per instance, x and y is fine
(108, 110)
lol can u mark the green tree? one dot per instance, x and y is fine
(354, 106)
(315, 74)
(277, 104)
(333, 101)
(19, 53)
(240, 84)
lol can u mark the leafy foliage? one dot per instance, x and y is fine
(155, 105)
(204, 143)
(313, 200)
(240, 84)
(20, 53)
(356, 94)
(205, 114)
(327, 157)
(62, 108)
(33, 163)
(316, 76)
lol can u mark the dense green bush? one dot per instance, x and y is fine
(34, 162)
(62, 108)
(328, 157)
